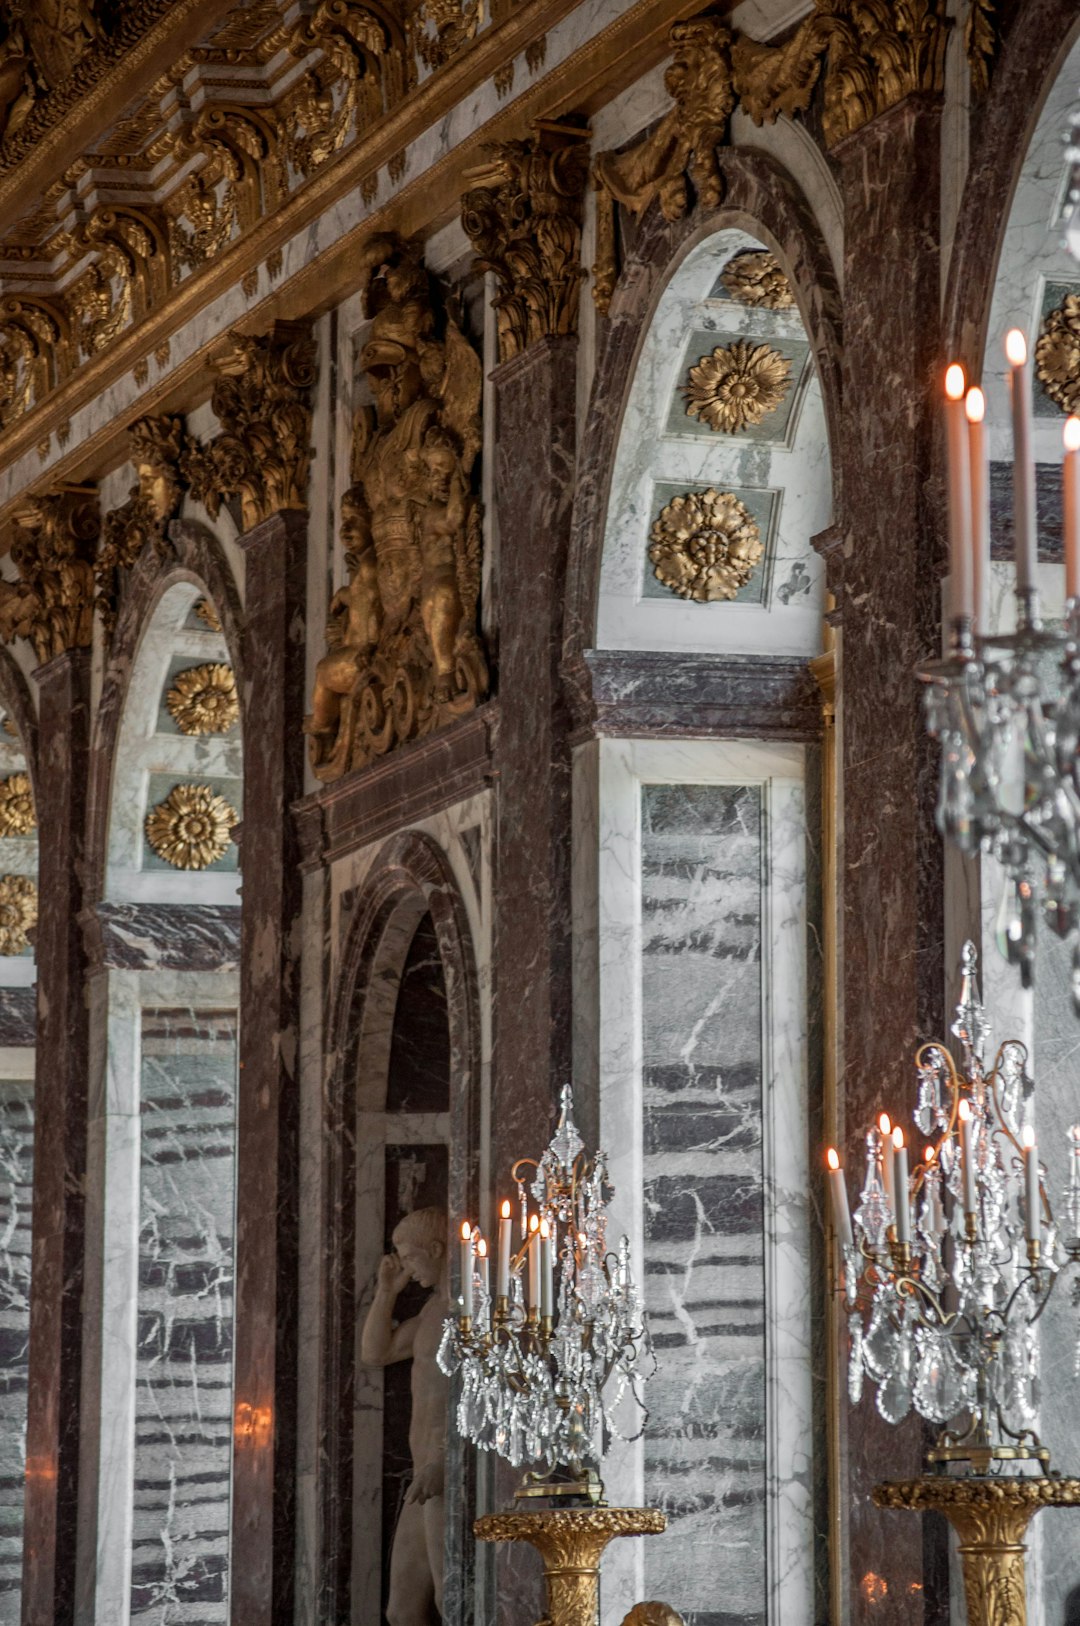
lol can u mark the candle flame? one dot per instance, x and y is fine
(534, 1222)
(898, 1137)
(1071, 433)
(965, 1111)
(931, 1153)
(504, 1211)
(884, 1123)
(1028, 1137)
(466, 1230)
(975, 404)
(544, 1229)
(481, 1248)
(833, 1159)
(1016, 347)
(955, 382)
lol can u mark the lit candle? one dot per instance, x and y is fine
(482, 1265)
(967, 1159)
(1031, 1172)
(956, 431)
(466, 1271)
(900, 1178)
(533, 1301)
(840, 1211)
(1070, 482)
(979, 459)
(502, 1274)
(1023, 461)
(547, 1296)
(887, 1154)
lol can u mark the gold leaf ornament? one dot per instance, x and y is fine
(737, 386)
(192, 827)
(1057, 354)
(704, 545)
(203, 699)
(756, 279)
(16, 805)
(18, 912)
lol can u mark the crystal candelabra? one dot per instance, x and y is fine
(948, 1267)
(536, 1356)
(1005, 707)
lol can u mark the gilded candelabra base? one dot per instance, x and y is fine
(990, 1517)
(571, 1543)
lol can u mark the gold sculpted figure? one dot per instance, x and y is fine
(402, 655)
(416, 1560)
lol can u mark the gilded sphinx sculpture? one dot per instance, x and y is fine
(403, 656)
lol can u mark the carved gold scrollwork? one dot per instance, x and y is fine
(438, 29)
(51, 600)
(35, 353)
(239, 181)
(364, 72)
(522, 214)
(129, 275)
(403, 656)
(262, 398)
(156, 448)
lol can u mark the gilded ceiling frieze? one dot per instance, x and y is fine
(156, 448)
(522, 213)
(704, 545)
(51, 600)
(262, 398)
(403, 655)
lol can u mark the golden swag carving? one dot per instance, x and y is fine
(51, 601)
(1057, 354)
(262, 400)
(17, 817)
(18, 913)
(403, 656)
(128, 277)
(192, 827)
(439, 28)
(239, 180)
(156, 448)
(756, 279)
(203, 699)
(704, 545)
(523, 217)
(737, 386)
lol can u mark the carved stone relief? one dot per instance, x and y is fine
(403, 656)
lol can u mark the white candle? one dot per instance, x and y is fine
(885, 1126)
(466, 1271)
(547, 1296)
(482, 1267)
(967, 1160)
(1032, 1216)
(956, 434)
(1023, 460)
(1070, 486)
(533, 1300)
(900, 1178)
(502, 1273)
(979, 460)
(840, 1211)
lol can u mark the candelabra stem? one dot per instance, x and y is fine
(571, 1542)
(990, 1517)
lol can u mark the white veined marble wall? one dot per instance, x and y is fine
(699, 868)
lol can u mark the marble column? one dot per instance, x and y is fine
(891, 881)
(264, 1383)
(534, 471)
(56, 1283)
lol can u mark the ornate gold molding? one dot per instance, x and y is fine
(192, 827)
(262, 399)
(403, 656)
(522, 214)
(51, 601)
(156, 448)
(18, 912)
(17, 817)
(704, 545)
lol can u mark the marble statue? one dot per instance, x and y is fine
(416, 1560)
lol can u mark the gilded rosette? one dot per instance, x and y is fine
(737, 386)
(704, 545)
(191, 828)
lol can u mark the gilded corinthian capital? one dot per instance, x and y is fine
(523, 217)
(51, 601)
(262, 399)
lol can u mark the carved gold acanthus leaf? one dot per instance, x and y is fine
(756, 279)
(18, 913)
(192, 827)
(704, 545)
(203, 699)
(737, 386)
(51, 599)
(17, 817)
(1057, 354)
(206, 612)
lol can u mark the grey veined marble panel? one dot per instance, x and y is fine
(183, 1408)
(705, 1446)
(16, 1163)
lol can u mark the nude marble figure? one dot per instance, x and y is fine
(416, 1559)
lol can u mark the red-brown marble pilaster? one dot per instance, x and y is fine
(263, 1523)
(534, 473)
(60, 1095)
(891, 881)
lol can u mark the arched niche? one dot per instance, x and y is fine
(403, 1133)
(692, 424)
